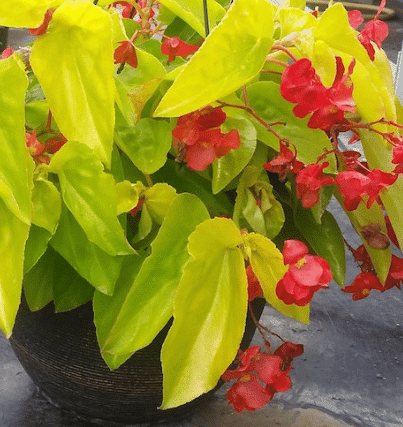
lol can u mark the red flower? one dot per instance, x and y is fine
(126, 53)
(54, 144)
(125, 8)
(395, 275)
(173, 47)
(254, 288)
(249, 395)
(309, 180)
(354, 186)
(350, 159)
(44, 26)
(257, 367)
(198, 135)
(6, 53)
(374, 31)
(288, 351)
(285, 162)
(362, 285)
(35, 147)
(355, 18)
(305, 276)
(301, 85)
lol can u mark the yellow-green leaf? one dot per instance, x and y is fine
(74, 65)
(209, 313)
(237, 47)
(25, 13)
(16, 165)
(13, 235)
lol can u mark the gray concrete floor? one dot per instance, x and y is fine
(351, 373)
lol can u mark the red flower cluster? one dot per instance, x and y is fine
(309, 181)
(355, 186)
(197, 135)
(367, 280)
(374, 31)
(302, 86)
(260, 375)
(174, 46)
(306, 275)
(41, 151)
(126, 53)
(285, 162)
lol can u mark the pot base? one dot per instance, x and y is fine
(61, 355)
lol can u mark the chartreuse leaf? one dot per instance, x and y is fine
(96, 266)
(13, 235)
(334, 29)
(16, 165)
(35, 246)
(268, 265)
(158, 200)
(46, 202)
(135, 86)
(146, 143)
(186, 180)
(47, 205)
(74, 65)
(293, 20)
(192, 12)
(226, 168)
(209, 313)
(25, 13)
(90, 195)
(239, 45)
(325, 239)
(127, 196)
(266, 100)
(266, 217)
(132, 321)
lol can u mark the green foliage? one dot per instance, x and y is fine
(209, 313)
(96, 266)
(256, 208)
(192, 12)
(243, 39)
(143, 305)
(146, 144)
(226, 168)
(90, 195)
(266, 100)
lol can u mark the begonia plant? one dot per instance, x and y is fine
(177, 158)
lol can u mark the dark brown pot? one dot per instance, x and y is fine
(61, 355)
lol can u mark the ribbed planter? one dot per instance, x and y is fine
(61, 355)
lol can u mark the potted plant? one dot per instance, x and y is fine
(175, 159)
